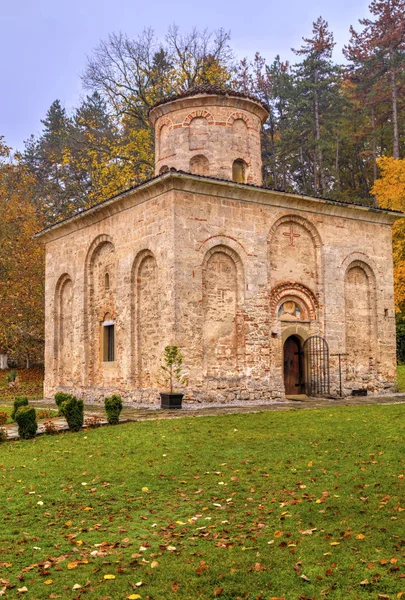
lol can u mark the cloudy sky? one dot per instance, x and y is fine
(44, 43)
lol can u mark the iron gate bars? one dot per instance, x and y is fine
(316, 366)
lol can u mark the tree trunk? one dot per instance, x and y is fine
(318, 151)
(395, 112)
(374, 145)
(337, 163)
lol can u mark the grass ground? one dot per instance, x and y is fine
(295, 505)
(401, 378)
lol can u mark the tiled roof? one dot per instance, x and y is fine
(210, 178)
(215, 90)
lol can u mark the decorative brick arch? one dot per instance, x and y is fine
(162, 123)
(198, 113)
(238, 115)
(290, 290)
(362, 260)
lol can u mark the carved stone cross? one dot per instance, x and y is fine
(291, 234)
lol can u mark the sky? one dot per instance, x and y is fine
(44, 44)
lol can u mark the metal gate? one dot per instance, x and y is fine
(316, 366)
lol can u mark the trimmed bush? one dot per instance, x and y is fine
(72, 410)
(113, 407)
(27, 422)
(17, 403)
(59, 398)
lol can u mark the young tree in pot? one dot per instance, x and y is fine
(172, 371)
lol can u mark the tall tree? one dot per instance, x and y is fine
(21, 263)
(316, 81)
(377, 57)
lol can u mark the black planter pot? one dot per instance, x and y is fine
(168, 400)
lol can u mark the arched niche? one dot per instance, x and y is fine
(145, 319)
(99, 299)
(198, 133)
(223, 336)
(360, 318)
(240, 139)
(199, 165)
(295, 254)
(63, 332)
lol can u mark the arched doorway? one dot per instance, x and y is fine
(293, 366)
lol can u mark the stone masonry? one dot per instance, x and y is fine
(202, 257)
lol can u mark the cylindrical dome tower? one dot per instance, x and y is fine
(210, 131)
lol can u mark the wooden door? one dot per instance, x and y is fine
(292, 363)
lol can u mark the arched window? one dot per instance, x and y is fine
(199, 165)
(239, 171)
(107, 282)
(163, 169)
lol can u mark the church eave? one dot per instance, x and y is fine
(201, 183)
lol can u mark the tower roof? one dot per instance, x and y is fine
(214, 90)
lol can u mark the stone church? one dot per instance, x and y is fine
(267, 293)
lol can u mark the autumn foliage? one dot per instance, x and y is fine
(21, 262)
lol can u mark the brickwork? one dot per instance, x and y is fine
(228, 272)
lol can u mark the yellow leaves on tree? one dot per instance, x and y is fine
(390, 192)
(21, 263)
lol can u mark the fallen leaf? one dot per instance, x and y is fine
(76, 586)
(48, 582)
(109, 576)
(305, 578)
(23, 590)
(334, 543)
(218, 591)
(364, 582)
(145, 489)
(72, 565)
(134, 597)
(360, 536)
(154, 564)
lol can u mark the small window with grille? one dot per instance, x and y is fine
(108, 341)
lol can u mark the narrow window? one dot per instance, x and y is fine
(238, 171)
(107, 282)
(108, 342)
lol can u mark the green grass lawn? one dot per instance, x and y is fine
(401, 378)
(290, 504)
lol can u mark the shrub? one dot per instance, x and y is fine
(113, 407)
(59, 398)
(12, 376)
(3, 435)
(17, 403)
(3, 417)
(27, 422)
(72, 410)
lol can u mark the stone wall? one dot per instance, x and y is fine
(228, 273)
